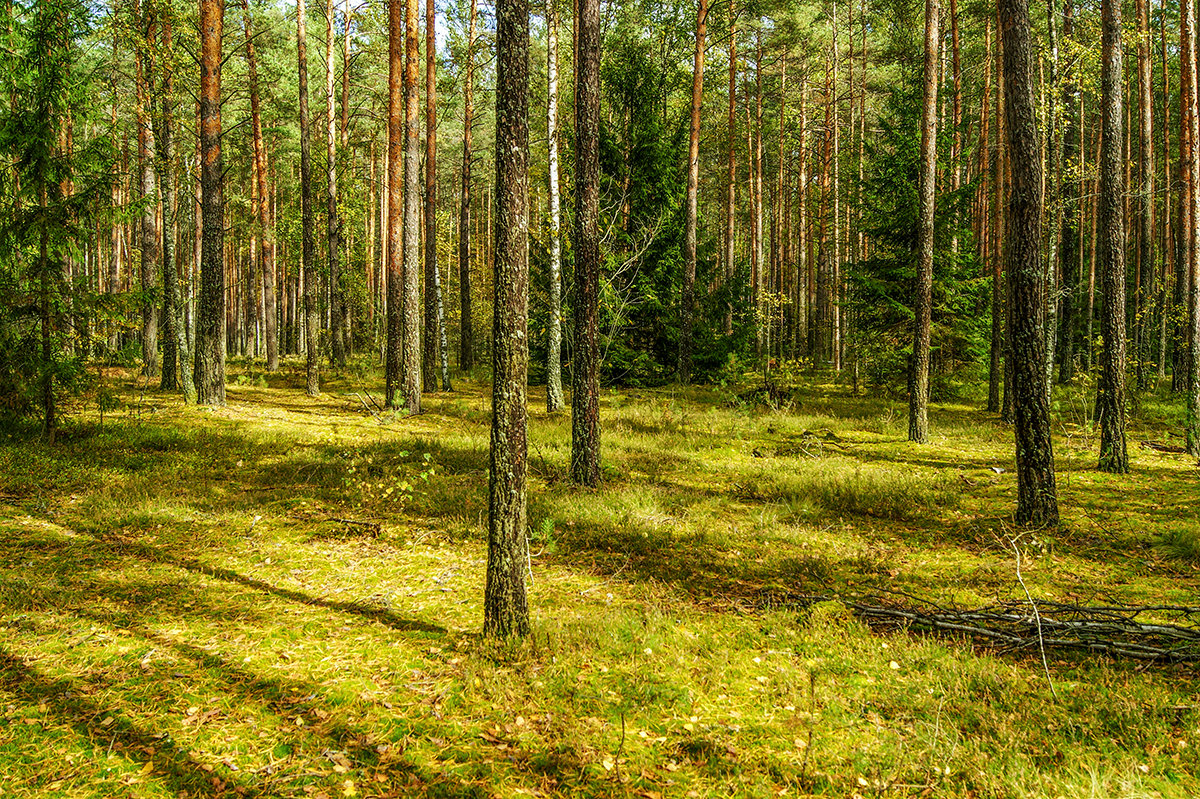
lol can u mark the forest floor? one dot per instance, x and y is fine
(283, 598)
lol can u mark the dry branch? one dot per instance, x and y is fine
(1115, 630)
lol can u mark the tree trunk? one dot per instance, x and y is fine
(554, 386)
(997, 254)
(210, 333)
(1037, 502)
(731, 176)
(918, 384)
(149, 232)
(1146, 272)
(411, 311)
(433, 331)
(267, 249)
(466, 342)
(1070, 257)
(333, 219)
(1191, 167)
(312, 321)
(585, 400)
(396, 385)
(1113, 455)
(688, 301)
(506, 607)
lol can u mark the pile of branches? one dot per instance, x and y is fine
(1164, 633)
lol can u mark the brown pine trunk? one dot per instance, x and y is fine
(210, 340)
(731, 176)
(1111, 245)
(149, 232)
(585, 400)
(312, 321)
(1146, 273)
(1191, 165)
(918, 384)
(506, 607)
(996, 349)
(688, 300)
(433, 327)
(466, 349)
(333, 219)
(266, 267)
(1037, 502)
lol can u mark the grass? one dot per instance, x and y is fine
(282, 598)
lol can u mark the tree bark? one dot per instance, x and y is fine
(1191, 168)
(506, 607)
(396, 385)
(1070, 256)
(466, 342)
(554, 385)
(1037, 502)
(1145, 199)
(731, 175)
(688, 300)
(1113, 454)
(918, 384)
(312, 321)
(333, 218)
(433, 326)
(585, 400)
(411, 311)
(149, 232)
(267, 247)
(210, 333)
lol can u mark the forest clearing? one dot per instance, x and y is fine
(283, 597)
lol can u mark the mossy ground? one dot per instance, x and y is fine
(199, 603)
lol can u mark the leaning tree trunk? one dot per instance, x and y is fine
(918, 384)
(687, 311)
(1111, 244)
(1037, 501)
(312, 321)
(210, 339)
(585, 400)
(506, 607)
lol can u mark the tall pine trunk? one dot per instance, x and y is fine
(918, 384)
(410, 359)
(554, 384)
(333, 220)
(266, 252)
(308, 265)
(394, 249)
(210, 339)
(466, 343)
(688, 300)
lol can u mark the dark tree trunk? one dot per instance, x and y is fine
(1111, 244)
(688, 300)
(433, 333)
(312, 320)
(918, 384)
(394, 369)
(506, 607)
(466, 342)
(210, 322)
(585, 399)
(1037, 502)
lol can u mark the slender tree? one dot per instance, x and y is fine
(210, 338)
(410, 348)
(1188, 231)
(554, 384)
(585, 399)
(506, 607)
(266, 251)
(1070, 252)
(434, 334)
(394, 368)
(312, 323)
(333, 217)
(1111, 244)
(1037, 498)
(918, 384)
(687, 311)
(731, 172)
(149, 231)
(1145, 198)
(466, 343)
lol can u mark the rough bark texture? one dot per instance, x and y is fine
(585, 400)
(210, 333)
(1037, 502)
(506, 607)
(1111, 245)
(312, 321)
(1145, 198)
(554, 384)
(410, 347)
(394, 368)
(433, 332)
(466, 339)
(688, 300)
(1069, 251)
(918, 384)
